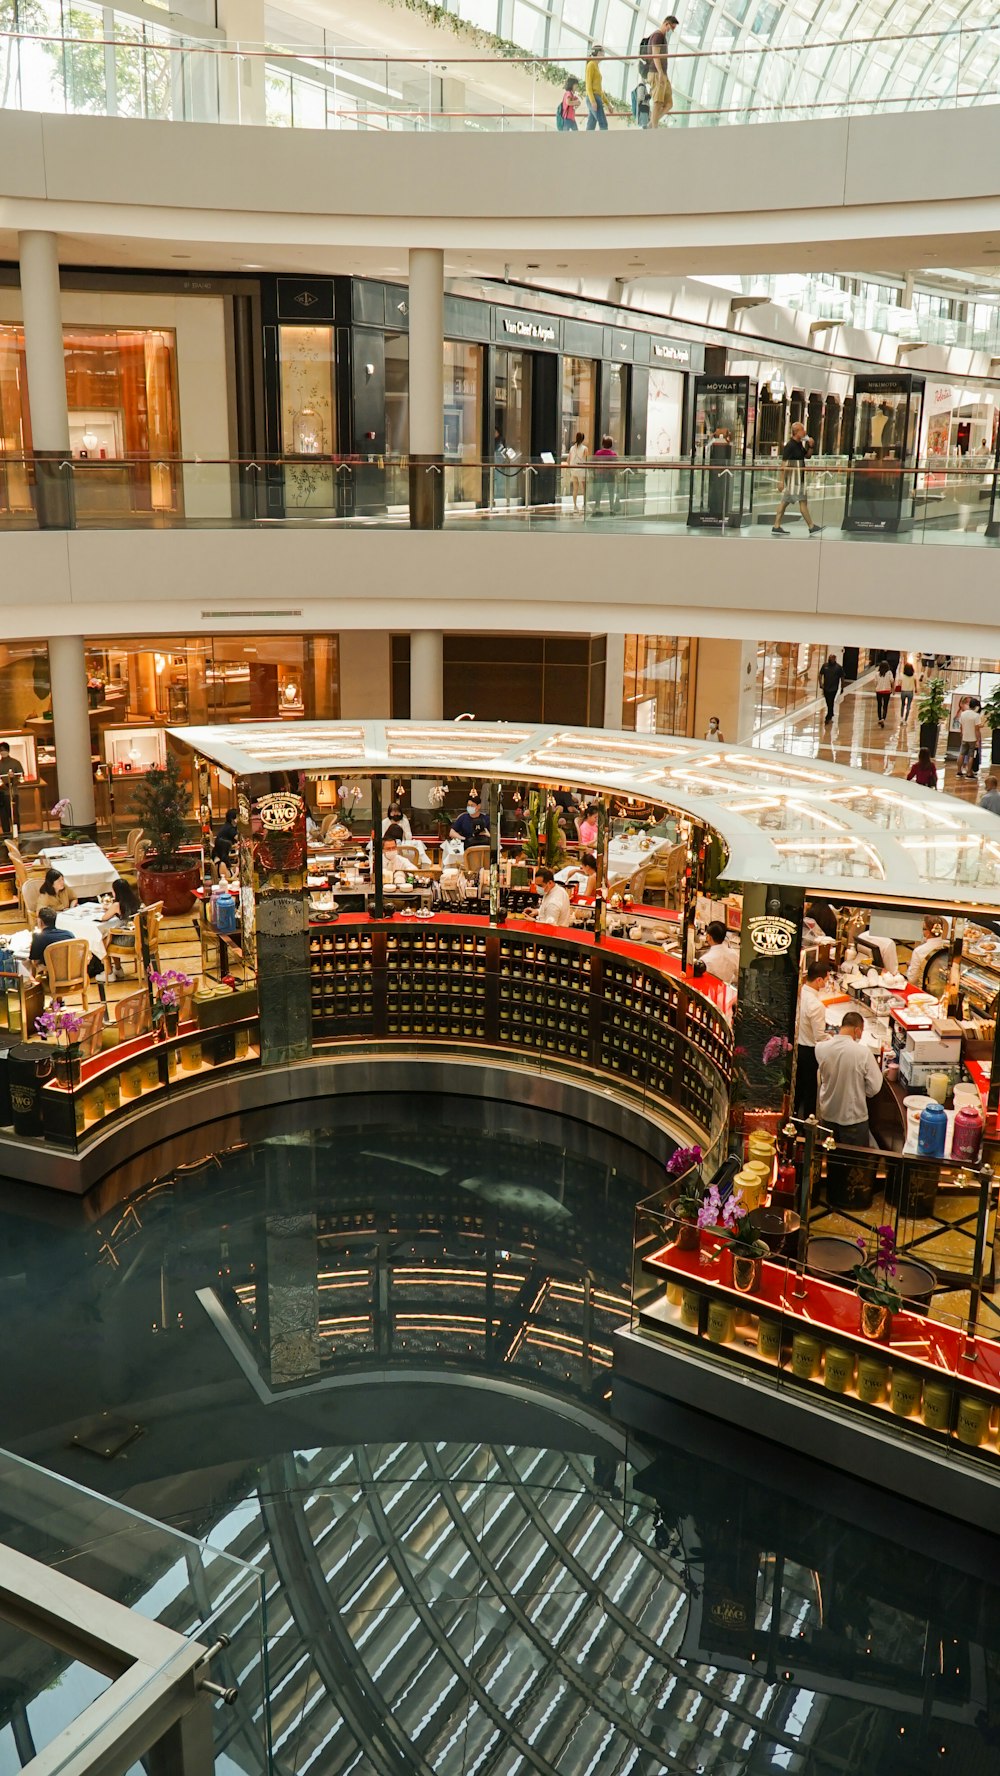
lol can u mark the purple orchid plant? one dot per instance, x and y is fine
(730, 1219)
(169, 986)
(878, 1265)
(684, 1166)
(61, 1022)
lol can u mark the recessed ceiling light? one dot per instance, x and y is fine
(249, 267)
(533, 264)
(180, 255)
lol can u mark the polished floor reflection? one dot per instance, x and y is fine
(366, 1346)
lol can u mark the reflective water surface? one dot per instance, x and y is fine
(366, 1345)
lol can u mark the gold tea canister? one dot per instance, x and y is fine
(721, 1322)
(973, 1420)
(838, 1369)
(769, 1339)
(937, 1406)
(905, 1392)
(873, 1380)
(806, 1353)
(690, 1308)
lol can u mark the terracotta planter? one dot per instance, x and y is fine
(876, 1320)
(687, 1236)
(746, 1273)
(175, 887)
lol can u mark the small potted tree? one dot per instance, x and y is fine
(991, 716)
(931, 711)
(161, 804)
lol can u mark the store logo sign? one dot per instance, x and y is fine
(306, 299)
(530, 330)
(677, 354)
(280, 813)
(771, 936)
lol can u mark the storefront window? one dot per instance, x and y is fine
(579, 401)
(397, 419)
(308, 416)
(121, 389)
(463, 373)
(657, 676)
(178, 679)
(618, 379)
(512, 401)
(787, 678)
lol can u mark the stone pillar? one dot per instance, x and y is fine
(614, 681)
(242, 87)
(426, 675)
(46, 370)
(71, 720)
(426, 388)
(726, 686)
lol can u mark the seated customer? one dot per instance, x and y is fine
(54, 893)
(848, 1076)
(472, 827)
(554, 907)
(586, 825)
(46, 932)
(118, 910)
(396, 818)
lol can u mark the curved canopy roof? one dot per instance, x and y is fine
(771, 53)
(782, 819)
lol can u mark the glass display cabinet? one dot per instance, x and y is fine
(882, 465)
(720, 483)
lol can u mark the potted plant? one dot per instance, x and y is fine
(161, 806)
(932, 708)
(65, 1026)
(168, 989)
(879, 1297)
(991, 715)
(739, 1233)
(684, 1167)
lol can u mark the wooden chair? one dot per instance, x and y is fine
(133, 1016)
(23, 871)
(145, 926)
(136, 844)
(31, 888)
(637, 884)
(91, 1037)
(66, 967)
(476, 858)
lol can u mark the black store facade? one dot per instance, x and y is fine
(519, 383)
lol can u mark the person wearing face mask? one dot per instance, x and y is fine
(396, 817)
(472, 827)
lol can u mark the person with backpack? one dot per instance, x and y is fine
(662, 92)
(566, 108)
(594, 87)
(640, 92)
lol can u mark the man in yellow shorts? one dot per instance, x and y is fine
(661, 92)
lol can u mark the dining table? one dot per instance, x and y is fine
(83, 867)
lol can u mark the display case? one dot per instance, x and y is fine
(720, 482)
(616, 1009)
(131, 752)
(882, 466)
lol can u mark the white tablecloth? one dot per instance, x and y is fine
(85, 868)
(625, 856)
(75, 924)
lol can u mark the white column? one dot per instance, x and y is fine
(43, 340)
(726, 686)
(614, 680)
(426, 351)
(426, 675)
(242, 86)
(71, 720)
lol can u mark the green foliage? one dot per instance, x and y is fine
(933, 703)
(161, 804)
(991, 709)
(553, 73)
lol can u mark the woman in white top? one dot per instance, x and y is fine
(812, 1031)
(970, 728)
(935, 938)
(885, 680)
(576, 457)
(714, 731)
(908, 683)
(396, 817)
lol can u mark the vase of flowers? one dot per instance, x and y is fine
(168, 989)
(64, 1026)
(879, 1298)
(684, 1167)
(731, 1221)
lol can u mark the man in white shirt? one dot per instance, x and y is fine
(970, 730)
(554, 907)
(720, 958)
(848, 1076)
(811, 1032)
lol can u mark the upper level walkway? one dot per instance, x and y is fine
(893, 190)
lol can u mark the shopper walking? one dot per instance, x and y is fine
(924, 771)
(907, 690)
(576, 458)
(594, 87)
(970, 728)
(885, 684)
(566, 109)
(831, 677)
(792, 486)
(605, 477)
(662, 93)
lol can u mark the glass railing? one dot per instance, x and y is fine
(938, 501)
(114, 64)
(169, 1595)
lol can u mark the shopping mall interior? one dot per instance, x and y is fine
(499, 1045)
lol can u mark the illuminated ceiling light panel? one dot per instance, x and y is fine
(782, 770)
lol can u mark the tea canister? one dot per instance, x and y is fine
(806, 1354)
(973, 1420)
(769, 1339)
(933, 1131)
(873, 1380)
(905, 1392)
(838, 1369)
(690, 1308)
(937, 1406)
(721, 1322)
(967, 1135)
